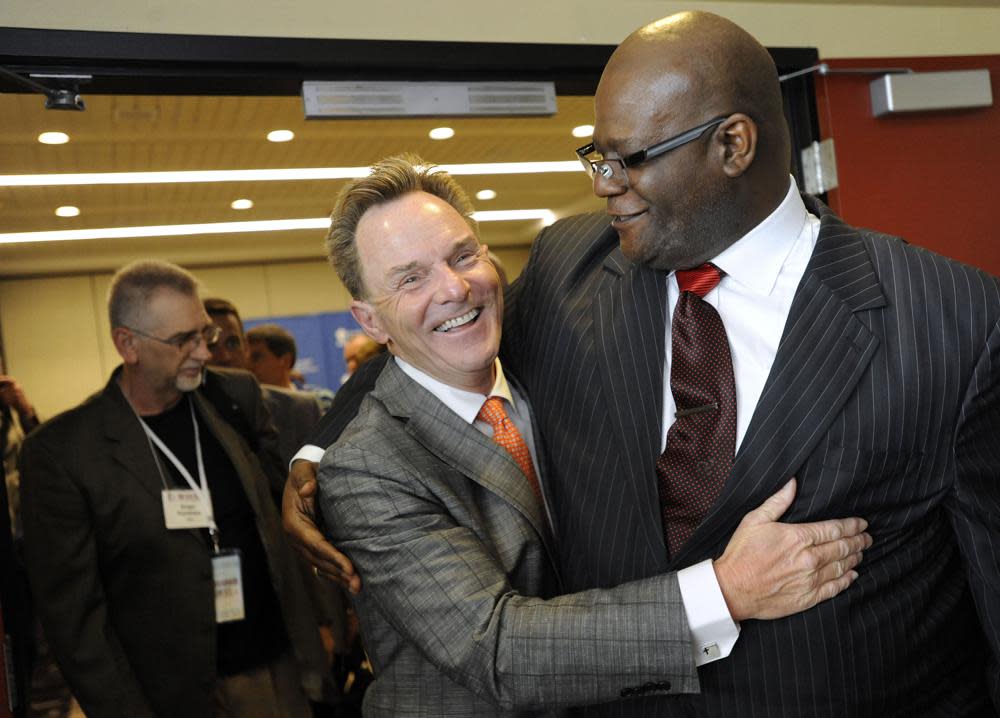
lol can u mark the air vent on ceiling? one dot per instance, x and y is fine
(426, 99)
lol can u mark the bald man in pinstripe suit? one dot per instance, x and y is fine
(867, 368)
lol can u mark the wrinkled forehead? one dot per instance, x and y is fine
(417, 227)
(170, 311)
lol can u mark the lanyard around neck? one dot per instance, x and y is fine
(201, 487)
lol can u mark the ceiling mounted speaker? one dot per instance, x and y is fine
(325, 100)
(915, 91)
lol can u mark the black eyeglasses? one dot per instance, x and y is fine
(614, 168)
(186, 341)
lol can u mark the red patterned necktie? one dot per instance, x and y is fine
(507, 435)
(701, 443)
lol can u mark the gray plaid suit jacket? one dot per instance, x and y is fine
(457, 609)
(884, 402)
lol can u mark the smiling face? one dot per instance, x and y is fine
(431, 294)
(674, 212)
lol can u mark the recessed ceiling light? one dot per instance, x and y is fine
(67, 211)
(583, 131)
(441, 133)
(280, 135)
(486, 194)
(241, 204)
(53, 138)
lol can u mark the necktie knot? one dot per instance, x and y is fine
(492, 412)
(700, 280)
(505, 434)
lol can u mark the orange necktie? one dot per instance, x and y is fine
(507, 436)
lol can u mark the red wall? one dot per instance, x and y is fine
(930, 177)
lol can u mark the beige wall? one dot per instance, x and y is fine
(838, 29)
(56, 335)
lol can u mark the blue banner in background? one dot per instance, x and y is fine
(319, 343)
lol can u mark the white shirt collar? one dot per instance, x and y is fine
(464, 403)
(755, 260)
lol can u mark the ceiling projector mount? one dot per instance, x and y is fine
(61, 93)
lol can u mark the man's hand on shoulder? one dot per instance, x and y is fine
(771, 570)
(298, 516)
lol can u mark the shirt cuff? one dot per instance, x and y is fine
(713, 630)
(307, 453)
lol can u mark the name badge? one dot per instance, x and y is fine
(228, 587)
(183, 509)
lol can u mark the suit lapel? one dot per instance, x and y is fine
(232, 444)
(128, 445)
(629, 328)
(824, 351)
(458, 444)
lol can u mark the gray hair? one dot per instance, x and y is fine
(134, 285)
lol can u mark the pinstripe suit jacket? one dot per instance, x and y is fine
(456, 567)
(882, 400)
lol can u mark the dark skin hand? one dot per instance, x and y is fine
(298, 515)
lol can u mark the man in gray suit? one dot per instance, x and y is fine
(439, 501)
(153, 548)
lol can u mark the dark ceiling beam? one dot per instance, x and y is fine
(143, 63)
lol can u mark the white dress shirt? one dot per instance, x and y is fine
(762, 271)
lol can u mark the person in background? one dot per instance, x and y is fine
(358, 349)
(17, 419)
(295, 415)
(152, 545)
(271, 355)
(231, 349)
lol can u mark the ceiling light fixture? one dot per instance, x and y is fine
(280, 136)
(241, 204)
(486, 194)
(53, 138)
(273, 225)
(441, 133)
(261, 175)
(67, 211)
(583, 130)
